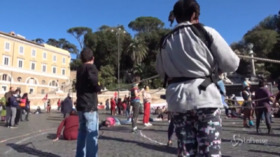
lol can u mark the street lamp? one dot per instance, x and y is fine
(251, 53)
(118, 31)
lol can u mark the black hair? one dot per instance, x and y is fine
(86, 55)
(183, 10)
(25, 95)
(262, 83)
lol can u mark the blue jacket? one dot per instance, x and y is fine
(13, 101)
(67, 105)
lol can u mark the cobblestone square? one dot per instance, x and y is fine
(34, 138)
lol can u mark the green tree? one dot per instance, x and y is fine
(78, 33)
(275, 53)
(146, 24)
(75, 63)
(104, 44)
(263, 40)
(106, 76)
(39, 40)
(137, 50)
(64, 44)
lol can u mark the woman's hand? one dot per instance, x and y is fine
(56, 139)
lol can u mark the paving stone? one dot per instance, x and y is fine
(34, 138)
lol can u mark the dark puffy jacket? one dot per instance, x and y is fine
(13, 101)
(87, 88)
(66, 105)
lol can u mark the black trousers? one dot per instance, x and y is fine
(170, 129)
(18, 115)
(259, 113)
(135, 109)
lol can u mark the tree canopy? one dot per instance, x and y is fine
(146, 24)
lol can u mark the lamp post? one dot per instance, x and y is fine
(251, 53)
(118, 31)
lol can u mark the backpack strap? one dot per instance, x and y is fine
(207, 39)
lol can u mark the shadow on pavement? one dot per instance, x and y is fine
(55, 118)
(153, 147)
(265, 152)
(23, 148)
(51, 136)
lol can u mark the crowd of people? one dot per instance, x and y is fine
(14, 108)
(191, 58)
(256, 105)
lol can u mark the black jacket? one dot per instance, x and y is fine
(87, 88)
(66, 105)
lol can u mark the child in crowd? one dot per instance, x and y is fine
(49, 106)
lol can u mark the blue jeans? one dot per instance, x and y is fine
(87, 143)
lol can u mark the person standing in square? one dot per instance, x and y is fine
(87, 89)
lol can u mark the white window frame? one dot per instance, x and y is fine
(9, 63)
(31, 66)
(5, 43)
(43, 68)
(33, 50)
(44, 53)
(54, 58)
(22, 64)
(63, 60)
(55, 70)
(20, 46)
(62, 72)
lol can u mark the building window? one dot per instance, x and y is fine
(19, 79)
(31, 90)
(4, 77)
(44, 55)
(42, 91)
(63, 71)
(33, 66)
(31, 81)
(4, 88)
(44, 68)
(53, 83)
(33, 53)
(7, 46)
(54, 58)
(20, 63)
(43, 82)
(63, 60)
(54, 70)
(21, 50)
(6, 60)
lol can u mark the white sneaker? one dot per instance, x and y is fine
(134, 129)
(146, 124)
(150, 124)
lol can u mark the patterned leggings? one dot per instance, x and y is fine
(198, 132)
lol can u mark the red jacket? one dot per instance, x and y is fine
(113, 104)
(71, 125)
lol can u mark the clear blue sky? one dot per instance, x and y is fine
(51, 18)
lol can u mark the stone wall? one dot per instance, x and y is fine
(36, 100)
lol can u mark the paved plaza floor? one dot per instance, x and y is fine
(34, 139)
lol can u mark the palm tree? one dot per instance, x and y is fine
(138, 50)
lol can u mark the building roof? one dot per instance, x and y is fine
(49, 47)
(19, 37)
(56, 49)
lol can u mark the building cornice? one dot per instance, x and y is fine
(33, 44)
(7, 68)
